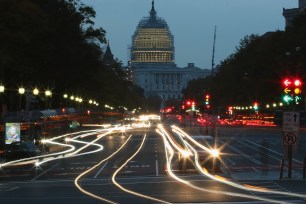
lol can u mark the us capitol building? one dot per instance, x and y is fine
(152, 60)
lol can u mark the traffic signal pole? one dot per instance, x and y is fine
(291, 119)
(289, 161)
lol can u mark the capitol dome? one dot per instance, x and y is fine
(152, 41)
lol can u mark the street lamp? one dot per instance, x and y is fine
(35, 92)
(65, 95)
(2, 88)
(21, 90)
(48, 94)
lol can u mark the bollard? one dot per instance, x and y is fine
(304, 169)
(281, 169)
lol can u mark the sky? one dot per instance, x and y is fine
(192, 23)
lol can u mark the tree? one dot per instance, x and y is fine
(54, 44)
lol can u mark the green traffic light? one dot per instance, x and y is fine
(287, 98)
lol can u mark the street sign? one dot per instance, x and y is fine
(291, 121)
(290, 138)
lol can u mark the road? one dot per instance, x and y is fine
(137, 166)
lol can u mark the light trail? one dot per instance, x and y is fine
(75, 153)
(175, 145)
(127, 190)
(76, 181)
(60, 155)
(203, 171)
(168, 149)
(35, 159)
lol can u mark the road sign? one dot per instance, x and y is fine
(291, 121)
(290, 138)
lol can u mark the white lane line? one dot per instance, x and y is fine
(156, 162)
(255, 169)
(97, 174)
(10, 189)
(245, 155)
(45, 172)
(280, 154)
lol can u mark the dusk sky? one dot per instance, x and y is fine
(192, 24)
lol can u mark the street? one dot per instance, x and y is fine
(136, 166)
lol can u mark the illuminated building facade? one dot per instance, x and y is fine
(152, 60)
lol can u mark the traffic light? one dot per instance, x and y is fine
(207, 101)
(188, 103)
(255, 106)
(292, 89)
(193, 106)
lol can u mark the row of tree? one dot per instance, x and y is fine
(255, 71)
(54, 44)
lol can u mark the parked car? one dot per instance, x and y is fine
(19, 150)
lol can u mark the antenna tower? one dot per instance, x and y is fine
(213, 52)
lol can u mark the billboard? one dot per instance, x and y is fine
(12, 132)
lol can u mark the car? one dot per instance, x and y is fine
(20, 149)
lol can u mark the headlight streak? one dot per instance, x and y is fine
(225, 181)
(76, 181)
(48, 157)
(129, 191)
(176, 146)
(169, 149)
(74, 154)
(180, 132)
(36, 158)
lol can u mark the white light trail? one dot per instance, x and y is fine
(127, 190)
(76, 181)
(168, 149)
(224, 180)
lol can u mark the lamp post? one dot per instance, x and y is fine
(21, 91)
(2, 88)
(35, 93)
(48, 94)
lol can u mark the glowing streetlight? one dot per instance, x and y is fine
(90, 101)
(21, 90)
(72, 98)
(65, 95)
(35, 91)
(2, 88)
(48, 93)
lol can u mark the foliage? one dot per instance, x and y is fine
(53, 44)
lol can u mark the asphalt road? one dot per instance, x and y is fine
(137, 173)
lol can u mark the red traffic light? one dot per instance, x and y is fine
(287, 82)
(207, 96)
(297, 82)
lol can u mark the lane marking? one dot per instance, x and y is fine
(45, 172)
(156, 166)
(101, 169)
(280, 154)
(10, 189)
